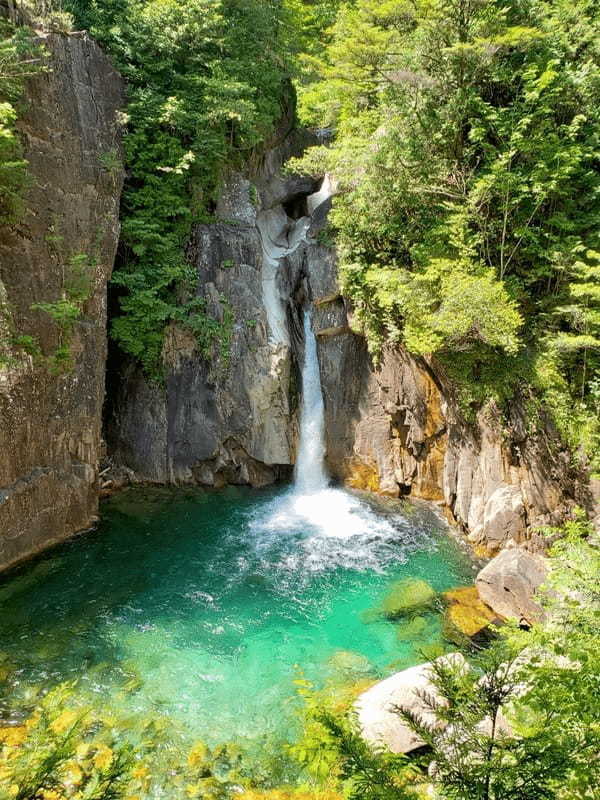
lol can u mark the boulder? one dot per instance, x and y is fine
(379, 722)
(509, 582)
(407, 596)
(504, 517)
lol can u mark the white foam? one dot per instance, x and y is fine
(335, 527)
(328, 189)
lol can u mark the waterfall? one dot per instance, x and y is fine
(326, 516)
(311, 476)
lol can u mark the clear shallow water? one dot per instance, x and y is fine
(202, 606)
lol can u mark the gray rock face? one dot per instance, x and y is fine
(50, 424)
(395, 428)
(509, 582)
(229, 421)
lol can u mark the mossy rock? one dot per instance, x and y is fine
(370, 615)
(411, 629)
(433, 650)
(407, 597)
(348, 664)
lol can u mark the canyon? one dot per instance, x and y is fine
(392, 426)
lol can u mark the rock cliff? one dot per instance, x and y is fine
(392, 428)
(228, 419)
(51, 379)
(396, 428)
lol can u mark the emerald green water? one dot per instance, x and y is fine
(203, 607)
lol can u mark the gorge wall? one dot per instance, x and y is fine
(396, 428)
(51, 407)
(231, 419)
(392, 428)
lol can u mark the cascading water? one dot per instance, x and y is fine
(328, 516)
(310, 466)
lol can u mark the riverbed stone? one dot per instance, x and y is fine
(411, 629)
(466, 614)
(406, 597)
(349, 664)
(378, 720)
(509, 582)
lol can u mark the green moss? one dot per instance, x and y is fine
(406, 597)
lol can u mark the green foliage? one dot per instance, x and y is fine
(365, 773)
(206, 81)
(466, 145)
(309, 23)
(19, 59)
(28, 344)
(111, 161)
(69, 308)
(61, 751)
(483, 760)
(562, 673)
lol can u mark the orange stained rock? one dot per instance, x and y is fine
(466, 610)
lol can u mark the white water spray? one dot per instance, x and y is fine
(310, 467)
(326, 517)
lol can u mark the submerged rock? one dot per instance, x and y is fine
(376, 709)
(348, 664)
(412, 629)
(407, 596)
(509, 582)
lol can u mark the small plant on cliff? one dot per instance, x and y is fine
(68, 309)
(19, 59)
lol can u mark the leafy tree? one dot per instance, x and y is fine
(466, 147)
(19, 59)
(206, 82)
(476, 756)
(562, 671)
(521, 721)
(366, 773)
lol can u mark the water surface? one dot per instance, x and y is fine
(203, 607)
